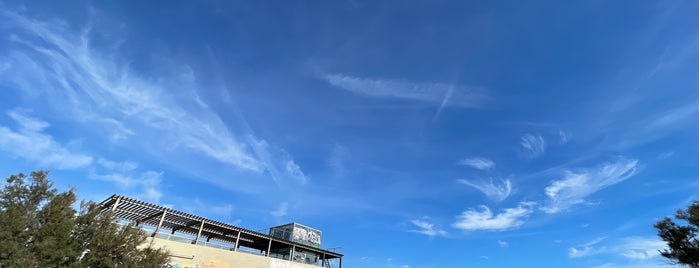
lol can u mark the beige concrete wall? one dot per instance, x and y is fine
(186, 255)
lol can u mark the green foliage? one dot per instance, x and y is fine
(682, 240)
(40, 228)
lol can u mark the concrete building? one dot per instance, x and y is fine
(194, 241)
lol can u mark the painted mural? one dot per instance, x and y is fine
(212, 263)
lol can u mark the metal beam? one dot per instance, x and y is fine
(220, 235)
(149, 217)
(189, 224)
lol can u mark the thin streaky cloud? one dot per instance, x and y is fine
(477, 163)
(533, 145)
(101, 90)
(633, 248)
(496, 190)
(445, 101)
(281, 211)
(442, 94)
(32, 143)
(564, 136)
(145, 185)
(576, 186)
(427, 228)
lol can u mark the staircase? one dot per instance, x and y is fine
(328, 264)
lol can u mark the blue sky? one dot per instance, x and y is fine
(412, 133)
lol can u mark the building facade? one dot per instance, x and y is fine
(194, 241)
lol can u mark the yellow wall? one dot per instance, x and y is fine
(188, 255)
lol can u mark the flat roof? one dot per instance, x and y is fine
(140, 212)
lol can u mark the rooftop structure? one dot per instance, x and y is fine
(207, 232)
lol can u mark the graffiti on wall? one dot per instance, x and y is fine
(306, 236)
(212, 263)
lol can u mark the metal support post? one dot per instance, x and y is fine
(269, 247)
(201, 227)
(160, 224)
(293, 249)
(116, 203)
(237, 239)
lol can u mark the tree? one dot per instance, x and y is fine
(39, 227)
(682, 240)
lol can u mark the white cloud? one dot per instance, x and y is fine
(533, 145)
(31, 143)
(92, 87)
(125, 166)
(478, 163)
(641, 248)
(146, 185)
(565, 137)
(586, 249)
(273, 163)
(435, 93)
(221, 211)
(575, 186)
(497, 192)
(579, 252)
(484, 219)
(503, 244)
(665, 155)
(427, 228)
(295, 171)
(633, 248)
(281, 211)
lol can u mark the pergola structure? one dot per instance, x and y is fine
(162, 218)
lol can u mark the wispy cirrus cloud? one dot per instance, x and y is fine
(586, 249)
(219, 210)
(563, 136)
(533, 145)
(477, 163)
(281, 211)
(427, 228)
(50, 59)
(484, 219)
(576, 186)
(633, 248)
(497, 191)
(30, 142)
(91, 86)
(145, 185)
(442, 94)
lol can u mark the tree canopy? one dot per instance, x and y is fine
(682, 240)
(39, 227)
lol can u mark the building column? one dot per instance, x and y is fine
(340, 262)
(269, 247)
(237, 239)
(116, 203)
(293, 249)
(201, 227)
(160, 224)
